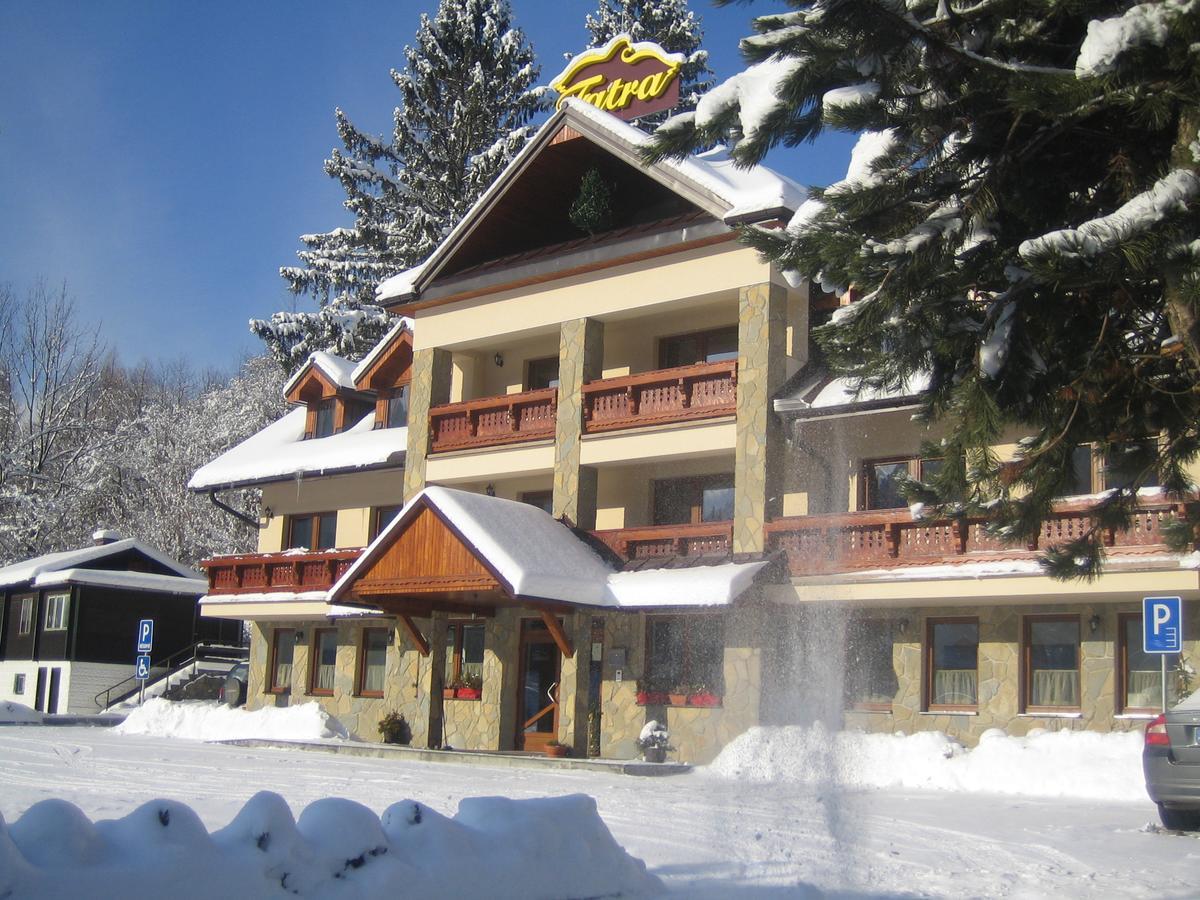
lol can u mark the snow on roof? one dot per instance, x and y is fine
(280, 451)
(339, 370)
(30, 569)
(284, 597)
(821, 392)
(369, 360)
(540, 557)
(743, 192)
(130, 581)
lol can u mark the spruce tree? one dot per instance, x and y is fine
(1019, 223)
(668, 23)
(467, 95)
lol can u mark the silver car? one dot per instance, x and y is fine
(1171, 761)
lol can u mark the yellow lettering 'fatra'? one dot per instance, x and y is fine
(612, 94)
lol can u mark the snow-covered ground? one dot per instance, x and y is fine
(721, 832)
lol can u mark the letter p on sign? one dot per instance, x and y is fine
(1162, 625)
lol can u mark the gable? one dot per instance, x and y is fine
(310, 386)
(389, 366)
(425, 556)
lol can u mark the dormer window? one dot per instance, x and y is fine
(323, 419)
(397, 408)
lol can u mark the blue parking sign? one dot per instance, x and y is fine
(145, 635)
(1162, 625)
(143, 668)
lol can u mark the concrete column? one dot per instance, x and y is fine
(758, 459)
(431, 372)
(580, 359)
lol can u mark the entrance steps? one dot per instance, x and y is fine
(494, 759)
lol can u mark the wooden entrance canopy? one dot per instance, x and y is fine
(423, 564)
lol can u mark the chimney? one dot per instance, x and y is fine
(103, 536)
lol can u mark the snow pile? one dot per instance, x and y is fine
(207, 720)
(11, 713)
(494, 847)
(1077, 764)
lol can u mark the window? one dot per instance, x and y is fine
(685, 653)
(541, 373)
(397, 407)
(1126, 463)
(24, 615)
(870, 679)
(543, 500)
(1051, 663)
(881, 480)
(464, 654)
(952, 664)
(383, 518)
(698, 347)
(1080, 481)
(323, 665)
(19, 683)
(283, 645)
(56, 612)
(312, 531)
(323, 419)
(1139, 673)
(373, 661)
(678, 501)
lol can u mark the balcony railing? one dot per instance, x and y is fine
(293, 571)
(669, 540)
(844, 542)
(492, 421)
(667, 395)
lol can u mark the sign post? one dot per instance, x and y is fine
(145, 641)
(1162, 632)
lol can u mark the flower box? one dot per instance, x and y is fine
(677, 699)
(703, 698)
(651, 698)
(468, 693)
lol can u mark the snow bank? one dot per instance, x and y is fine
(1078, 764)
(14, 712)
(206, 720)
(494, 847)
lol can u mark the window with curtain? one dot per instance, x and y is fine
(1052, 663)
(1141, 672)
(870, 678)
(283, 645)
(952, 663)
(464, 653)
(324, 661)
(374, 661)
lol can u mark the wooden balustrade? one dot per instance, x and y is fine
(872, 539)
(669, 540)
(291, 571)
(667, 395)
(490, 421)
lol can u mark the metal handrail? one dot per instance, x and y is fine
(190, 655)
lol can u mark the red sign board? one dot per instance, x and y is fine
(627, 79)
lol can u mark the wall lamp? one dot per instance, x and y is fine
(299, 635)
(1094, 623)
(498, 359)
(902, 625)
(490, 490)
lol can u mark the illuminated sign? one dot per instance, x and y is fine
(624, 78)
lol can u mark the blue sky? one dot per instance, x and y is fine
(163, 157)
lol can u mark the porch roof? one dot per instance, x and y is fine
(449, 547)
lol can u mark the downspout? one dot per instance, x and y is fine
(236, 513)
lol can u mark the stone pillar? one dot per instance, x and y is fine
(431, 681)
(576, 684)
(431, 370)
(762, 334)
(580, 359)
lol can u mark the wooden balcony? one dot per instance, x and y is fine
(669, 540)
(290, 571)
(492, 421)
(702, 391)
(844, 542)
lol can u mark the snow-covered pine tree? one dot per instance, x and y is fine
(668, 23)
(1019, 222)
(467, 94)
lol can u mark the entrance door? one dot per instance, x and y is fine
(55, 685)
(537, 688)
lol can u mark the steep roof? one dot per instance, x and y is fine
(338, 370)
(72, 566)
(280, 451)
(709, 182)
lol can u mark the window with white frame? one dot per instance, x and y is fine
(56, 611)
(24, 615)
